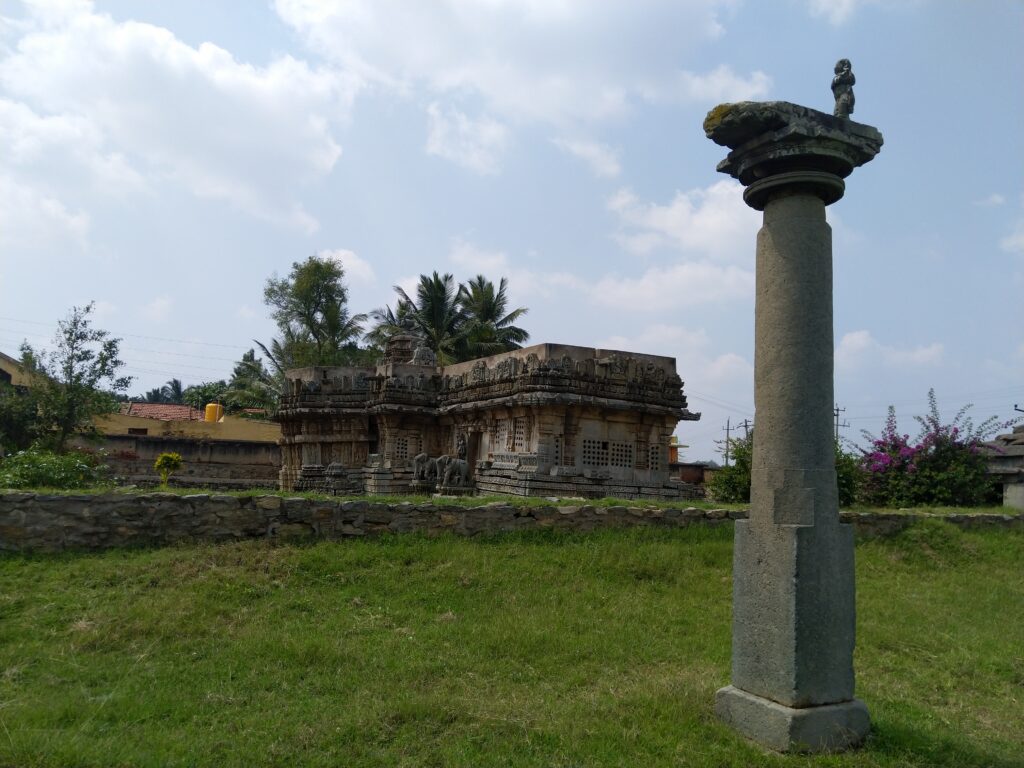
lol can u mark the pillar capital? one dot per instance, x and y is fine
(783, 148)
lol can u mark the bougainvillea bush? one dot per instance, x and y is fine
(942, 466)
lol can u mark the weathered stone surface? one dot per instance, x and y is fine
(1005, 456)
(833, 727)
(548, 420)
(53, 523)
(777, 145)
(793, 579)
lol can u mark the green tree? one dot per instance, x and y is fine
(436, 315)
(490, 327)
(458, 322)
(19, 416)
(77, 380)
(252, 385)
(155, 395)
(198, 395)
(732, 484)
(173, 392)
(388, 322)
(310, 307)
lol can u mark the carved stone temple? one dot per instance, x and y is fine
(793, 578)
(546, 420)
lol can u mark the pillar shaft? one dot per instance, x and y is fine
(793, 576)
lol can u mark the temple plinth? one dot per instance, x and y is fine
(793, 571)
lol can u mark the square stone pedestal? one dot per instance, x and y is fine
(826, 728)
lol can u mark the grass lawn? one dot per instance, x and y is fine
(542, 649)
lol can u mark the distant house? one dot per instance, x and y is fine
(162, 411)
(1006, 464)
(11, 373)
(229, 452)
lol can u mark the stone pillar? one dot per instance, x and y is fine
(793, 579)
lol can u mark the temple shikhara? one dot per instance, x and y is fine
(545, 420)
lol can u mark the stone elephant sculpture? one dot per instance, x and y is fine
(424, 468)
(441, 464)
(456, 473)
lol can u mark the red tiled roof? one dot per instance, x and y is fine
(162, 411)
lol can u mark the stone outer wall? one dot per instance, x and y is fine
(223, 464)
(32, 522)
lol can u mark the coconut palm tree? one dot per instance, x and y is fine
(388, 322)
(489, 326)
(254, 385)
(173, 392)
(436, 315)
(155, 395)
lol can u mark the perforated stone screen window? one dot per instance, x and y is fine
(557, 451)
(519, 444)
(655, 454)
(595, 453)
(402, 448)
(501, 435)
(642, 455)
(621, 455)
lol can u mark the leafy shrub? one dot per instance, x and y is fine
(942, 466)
(732, 484)
(167, 464)
(36, 468)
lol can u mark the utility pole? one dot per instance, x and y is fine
(836, 411)
(727, 430)
(747, 424)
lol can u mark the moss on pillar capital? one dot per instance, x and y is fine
(774, 143)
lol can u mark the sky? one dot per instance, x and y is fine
(164, 158)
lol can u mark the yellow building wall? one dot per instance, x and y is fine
(10, 365)
(228, 428)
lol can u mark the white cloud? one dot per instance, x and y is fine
(718, 384)
(654, 290)
(1014, 242)
(476, 259)
(674, 286)
(836, 12)
(525, 285)
(47, 145)
(713, 222)
(245, 312)
(30, 218)
(135, 102)
(602, 159)
(103, 310)
(859, 349)
(719, 85)
(557, 62)
(991, 201)
(159, 309)
(357, 269)
(476, 144)
(696, 358)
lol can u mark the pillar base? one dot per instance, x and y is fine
(826, 728)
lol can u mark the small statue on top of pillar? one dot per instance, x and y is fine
(842, 88)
